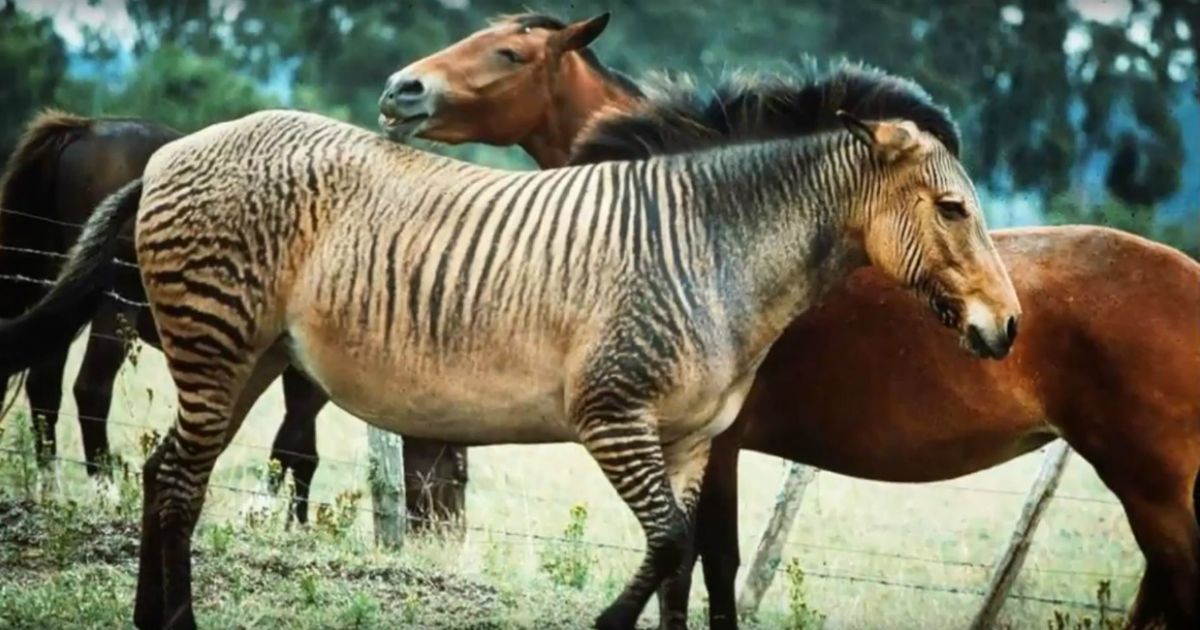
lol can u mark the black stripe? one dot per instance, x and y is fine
(185, 312)
(509, 211)
(560, 215)
(436, 292)
(414, 296)
(390, 288)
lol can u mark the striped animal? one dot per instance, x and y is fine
(623, 305)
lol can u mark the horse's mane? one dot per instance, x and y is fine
(552, 23)
(677, 116)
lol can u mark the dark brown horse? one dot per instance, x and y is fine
(64, 165)
(1109, 358)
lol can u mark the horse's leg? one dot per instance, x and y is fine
(435, 478)
(717, 533)
(1154, 475)
(43, 387)
(212, 406)
(94, 387)
(714, 540)
(1166, 530)
(295, 444)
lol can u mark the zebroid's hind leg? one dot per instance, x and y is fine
(214, 396)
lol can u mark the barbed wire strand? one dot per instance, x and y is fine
(60, 255)
(59, 222)
(111, 294)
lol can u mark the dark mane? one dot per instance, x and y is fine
(676, 116)
(551, 23)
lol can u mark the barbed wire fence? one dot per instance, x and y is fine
(253, 495)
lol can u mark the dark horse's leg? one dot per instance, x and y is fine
(435, 485)
(43, 386)
(714, 539)
(295, 444)
(718, 537)
(94, 386)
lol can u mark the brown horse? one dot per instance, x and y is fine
(64, 165)
(1109, 358)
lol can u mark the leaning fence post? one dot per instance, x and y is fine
(1009, 565)
(386, 477)
(770, 546)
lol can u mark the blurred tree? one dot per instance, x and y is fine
(33, 60)
(195, 25)
(188, 91)
(1044, 91)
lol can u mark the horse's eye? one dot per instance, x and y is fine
(509, 55)
(952, 209)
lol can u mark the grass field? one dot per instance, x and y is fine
(874, 555)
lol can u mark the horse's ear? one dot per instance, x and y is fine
(578, 35)
(890, 140)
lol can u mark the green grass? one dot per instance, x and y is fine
(851, 534)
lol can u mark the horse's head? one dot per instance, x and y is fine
(496, 86)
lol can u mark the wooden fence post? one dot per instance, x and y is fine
(386, 478)
(1009, 565)
(770, 547)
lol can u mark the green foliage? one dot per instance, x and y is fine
(220, 537)
(148, 441)
(309, 591)
(32, 62)
(337, 519)
(189, 91)
(95, 594)
(800, 614)
(1106, 616)
(568, 562)
(65, 530)
(361, 612)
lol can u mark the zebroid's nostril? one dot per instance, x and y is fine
(1011, 329)
(975, 338)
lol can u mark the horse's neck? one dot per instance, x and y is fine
(580, 92)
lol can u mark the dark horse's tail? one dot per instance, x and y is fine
(54, 322)
(27, 189)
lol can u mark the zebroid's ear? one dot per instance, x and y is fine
(891, 140)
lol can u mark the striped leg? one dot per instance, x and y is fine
(630, 455)
(212, 404)
(687, 461)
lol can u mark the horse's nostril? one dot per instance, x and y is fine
(1011, 329)
(408, 88)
